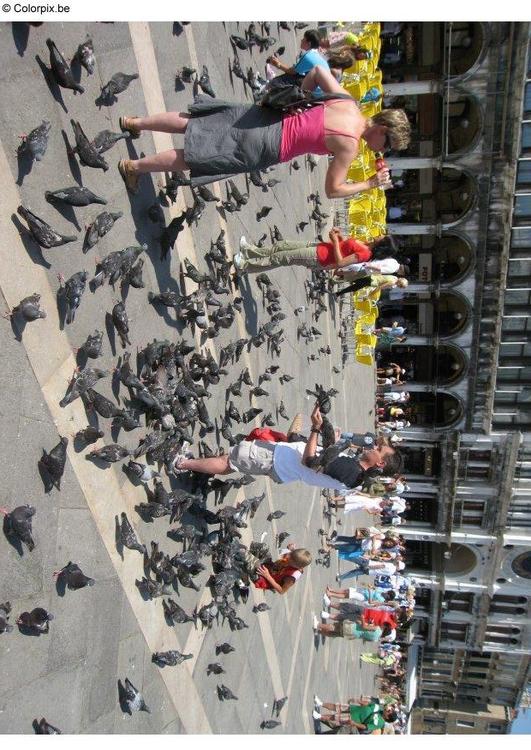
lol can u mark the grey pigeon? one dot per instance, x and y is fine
(81, 383)
(225, 694)
(278, 705)
(5, 609)
(170, 234)
(42, 233)
(93, 345)
(174, 613)
(109, 453)
(102, 405)
(71, 292)
(36, 142)
(61, 69)
(73, 576)
(121, 323)
(18, 523)
(85, 55)
(73, 196)
(215, 668)
(130, 698)
(29, 308)
(262, 607)
(143, 472)
(89, 435)
(106, 139)
(128, 537)
(53, 464)
(263, 212)
(224, 648)
(43, 727)
(204, 82)
(276, 514)
(117, 84)
(269, 724)
(169, 658)
(87, 152)
(102, 224)
(36, 621)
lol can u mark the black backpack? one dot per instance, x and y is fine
(285, 94)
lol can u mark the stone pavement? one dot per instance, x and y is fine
(104, 633)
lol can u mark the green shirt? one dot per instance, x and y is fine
(369, 715)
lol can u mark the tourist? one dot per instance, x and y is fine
(367, 716)
(223, 139)
(281, 575)
(374, 281)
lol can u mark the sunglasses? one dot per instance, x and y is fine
(387, 144)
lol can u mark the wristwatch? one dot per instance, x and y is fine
(316, 430)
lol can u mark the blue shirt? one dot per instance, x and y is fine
(309, 60)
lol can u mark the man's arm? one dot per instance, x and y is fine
(276, 63)
(311, 445)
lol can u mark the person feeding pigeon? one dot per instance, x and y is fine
(279, 575)
(292, 462)
(222, 139)
(329, 256)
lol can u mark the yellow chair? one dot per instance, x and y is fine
(367, 339)
(374, 294)
(364, 358)
(365, 305)
(376, 78)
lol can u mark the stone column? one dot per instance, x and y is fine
(412, 88)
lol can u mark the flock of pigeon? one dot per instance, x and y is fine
(168, 388)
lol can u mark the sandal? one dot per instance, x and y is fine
(126, 126)
(130, 178)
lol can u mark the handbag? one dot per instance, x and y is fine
(286, 95)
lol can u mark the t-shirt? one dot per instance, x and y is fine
(370, 715)
(397, 396)
(309, 60)
(347, 470)
(379, 279)
(371, 595)
(386, 265)
(349, 246)
(288, 466)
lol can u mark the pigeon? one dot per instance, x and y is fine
(127, 535)
(106, 139)
(18, 523)
(204, 82)
(250, 414)
(37, 620)
(236, 68)
(42, 233)
(53, 464)
(215, 668)
(102, 224)
(295, 165)
(269, 724)
(5, 609)
(121, 323)
(36, 142)
(263, 280)
(240, 42)
(262, 607)
(73, 577)
(88, 155)
(61, 69)
(312, 161)
(224, 648)
(280, 51)
(277, 234)
(109, 453)
(206, 194)
(281, 538)
(143, 472)
(278, 705)
(89, 435)
(263, 212)
(74, 196)
(261, 241)
(284, 25)
(301, 225)
(276, 514)
(257, 391)
(240, 199)
(186, 74)
(71, 292)
(85, 56)
(225, 694)
(130, 698)
(101, 405)
(93, 345)
(152, 589)
(29, 308)
(174, 613)
(81, 383)
(43, 727)
(117, 84)
(169, 658)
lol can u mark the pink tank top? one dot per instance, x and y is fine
(304, 133)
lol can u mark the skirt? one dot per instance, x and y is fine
(224, 139)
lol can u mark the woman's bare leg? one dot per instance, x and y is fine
(167, 161)
(165, 122)
(214, 465)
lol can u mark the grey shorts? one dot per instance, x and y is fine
(254, 458)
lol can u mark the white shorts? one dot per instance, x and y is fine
(355, 595)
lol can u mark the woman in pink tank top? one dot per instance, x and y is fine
(223, 139)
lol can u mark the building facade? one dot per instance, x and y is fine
(463, 225)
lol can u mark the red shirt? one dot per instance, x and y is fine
(350, 246)
(378, 617)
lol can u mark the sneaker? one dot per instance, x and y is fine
(129, 177)
(244, 245)
(317, 701)
(296, 425)
(263, 537)
(126, 126)
(326, 601)
(316, 715)
(325, 615)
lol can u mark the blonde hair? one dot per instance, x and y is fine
(402, 282)
(300, 557)
(342, 59)
(398, 127)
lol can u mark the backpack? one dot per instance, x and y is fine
(286, 95)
